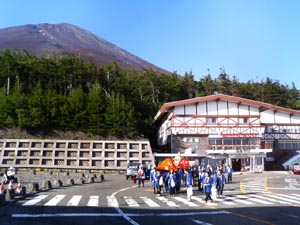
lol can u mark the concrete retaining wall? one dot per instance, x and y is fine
(73, 154)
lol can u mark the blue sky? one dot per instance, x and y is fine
(251, 39)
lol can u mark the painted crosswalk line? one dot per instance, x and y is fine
(253, 199)
(74, 201)
(167, 201)
(112, 202)
(238, 200)
(256, 198)
(54, 201)
(290, 196)
(35, 200)
(93, 201)
(271, 199)
(284, 199)
(150, 202)
(130, 201)
(225, 202)
(162, 201)
(185, 201)
(200, 200)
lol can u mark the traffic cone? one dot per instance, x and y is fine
(10, 190)
(10, 185)
(134, 179)
(19, 189)
(2, 188)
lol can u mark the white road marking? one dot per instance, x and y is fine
(112, 201)
(35, 200)
(222, 200)
(254, 198)
(185, 201)
(116, 214)
(200, 200)
(284, 188)
(267, 199)
(295, 216)
(284, 199)
(271, 199)
(291, 197)
(54, 201)
(93, 201)
(117, 208)
(201, 222)
(150, 202)
(130, 201)
(238, 200)
(74, 201)
(167, 201)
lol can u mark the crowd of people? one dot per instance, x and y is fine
(205, 178)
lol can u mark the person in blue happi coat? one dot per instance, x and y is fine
(171, 177)
(154, 179)
(180, 172)
(201, 177)
(207, 184)
(220, 181)
(164, 175)
(189, 183)
(151, 175)
(229, 172)
(178, 180)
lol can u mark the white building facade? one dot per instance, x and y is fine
(232, 130)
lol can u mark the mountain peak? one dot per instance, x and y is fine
(63, 39)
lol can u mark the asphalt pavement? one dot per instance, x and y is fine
(252, 198)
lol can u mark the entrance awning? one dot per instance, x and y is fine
(176, 154)
(239, 151)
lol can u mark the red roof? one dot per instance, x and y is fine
(216, 97)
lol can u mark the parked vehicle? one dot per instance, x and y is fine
(296, 168)
(132, 169)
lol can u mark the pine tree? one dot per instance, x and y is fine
(95, 109)
(120, 116)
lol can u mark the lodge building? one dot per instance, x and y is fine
(223, 129)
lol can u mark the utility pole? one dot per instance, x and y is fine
(8, 85)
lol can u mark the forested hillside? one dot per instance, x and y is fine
(68, 93)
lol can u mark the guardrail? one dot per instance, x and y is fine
(74, 154)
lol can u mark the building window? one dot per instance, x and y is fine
(211, 120)
(237, 141)
(289, 145)
(243, 120)
(215, 141)
(228, 141)
(245, 141)
(254, 141)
